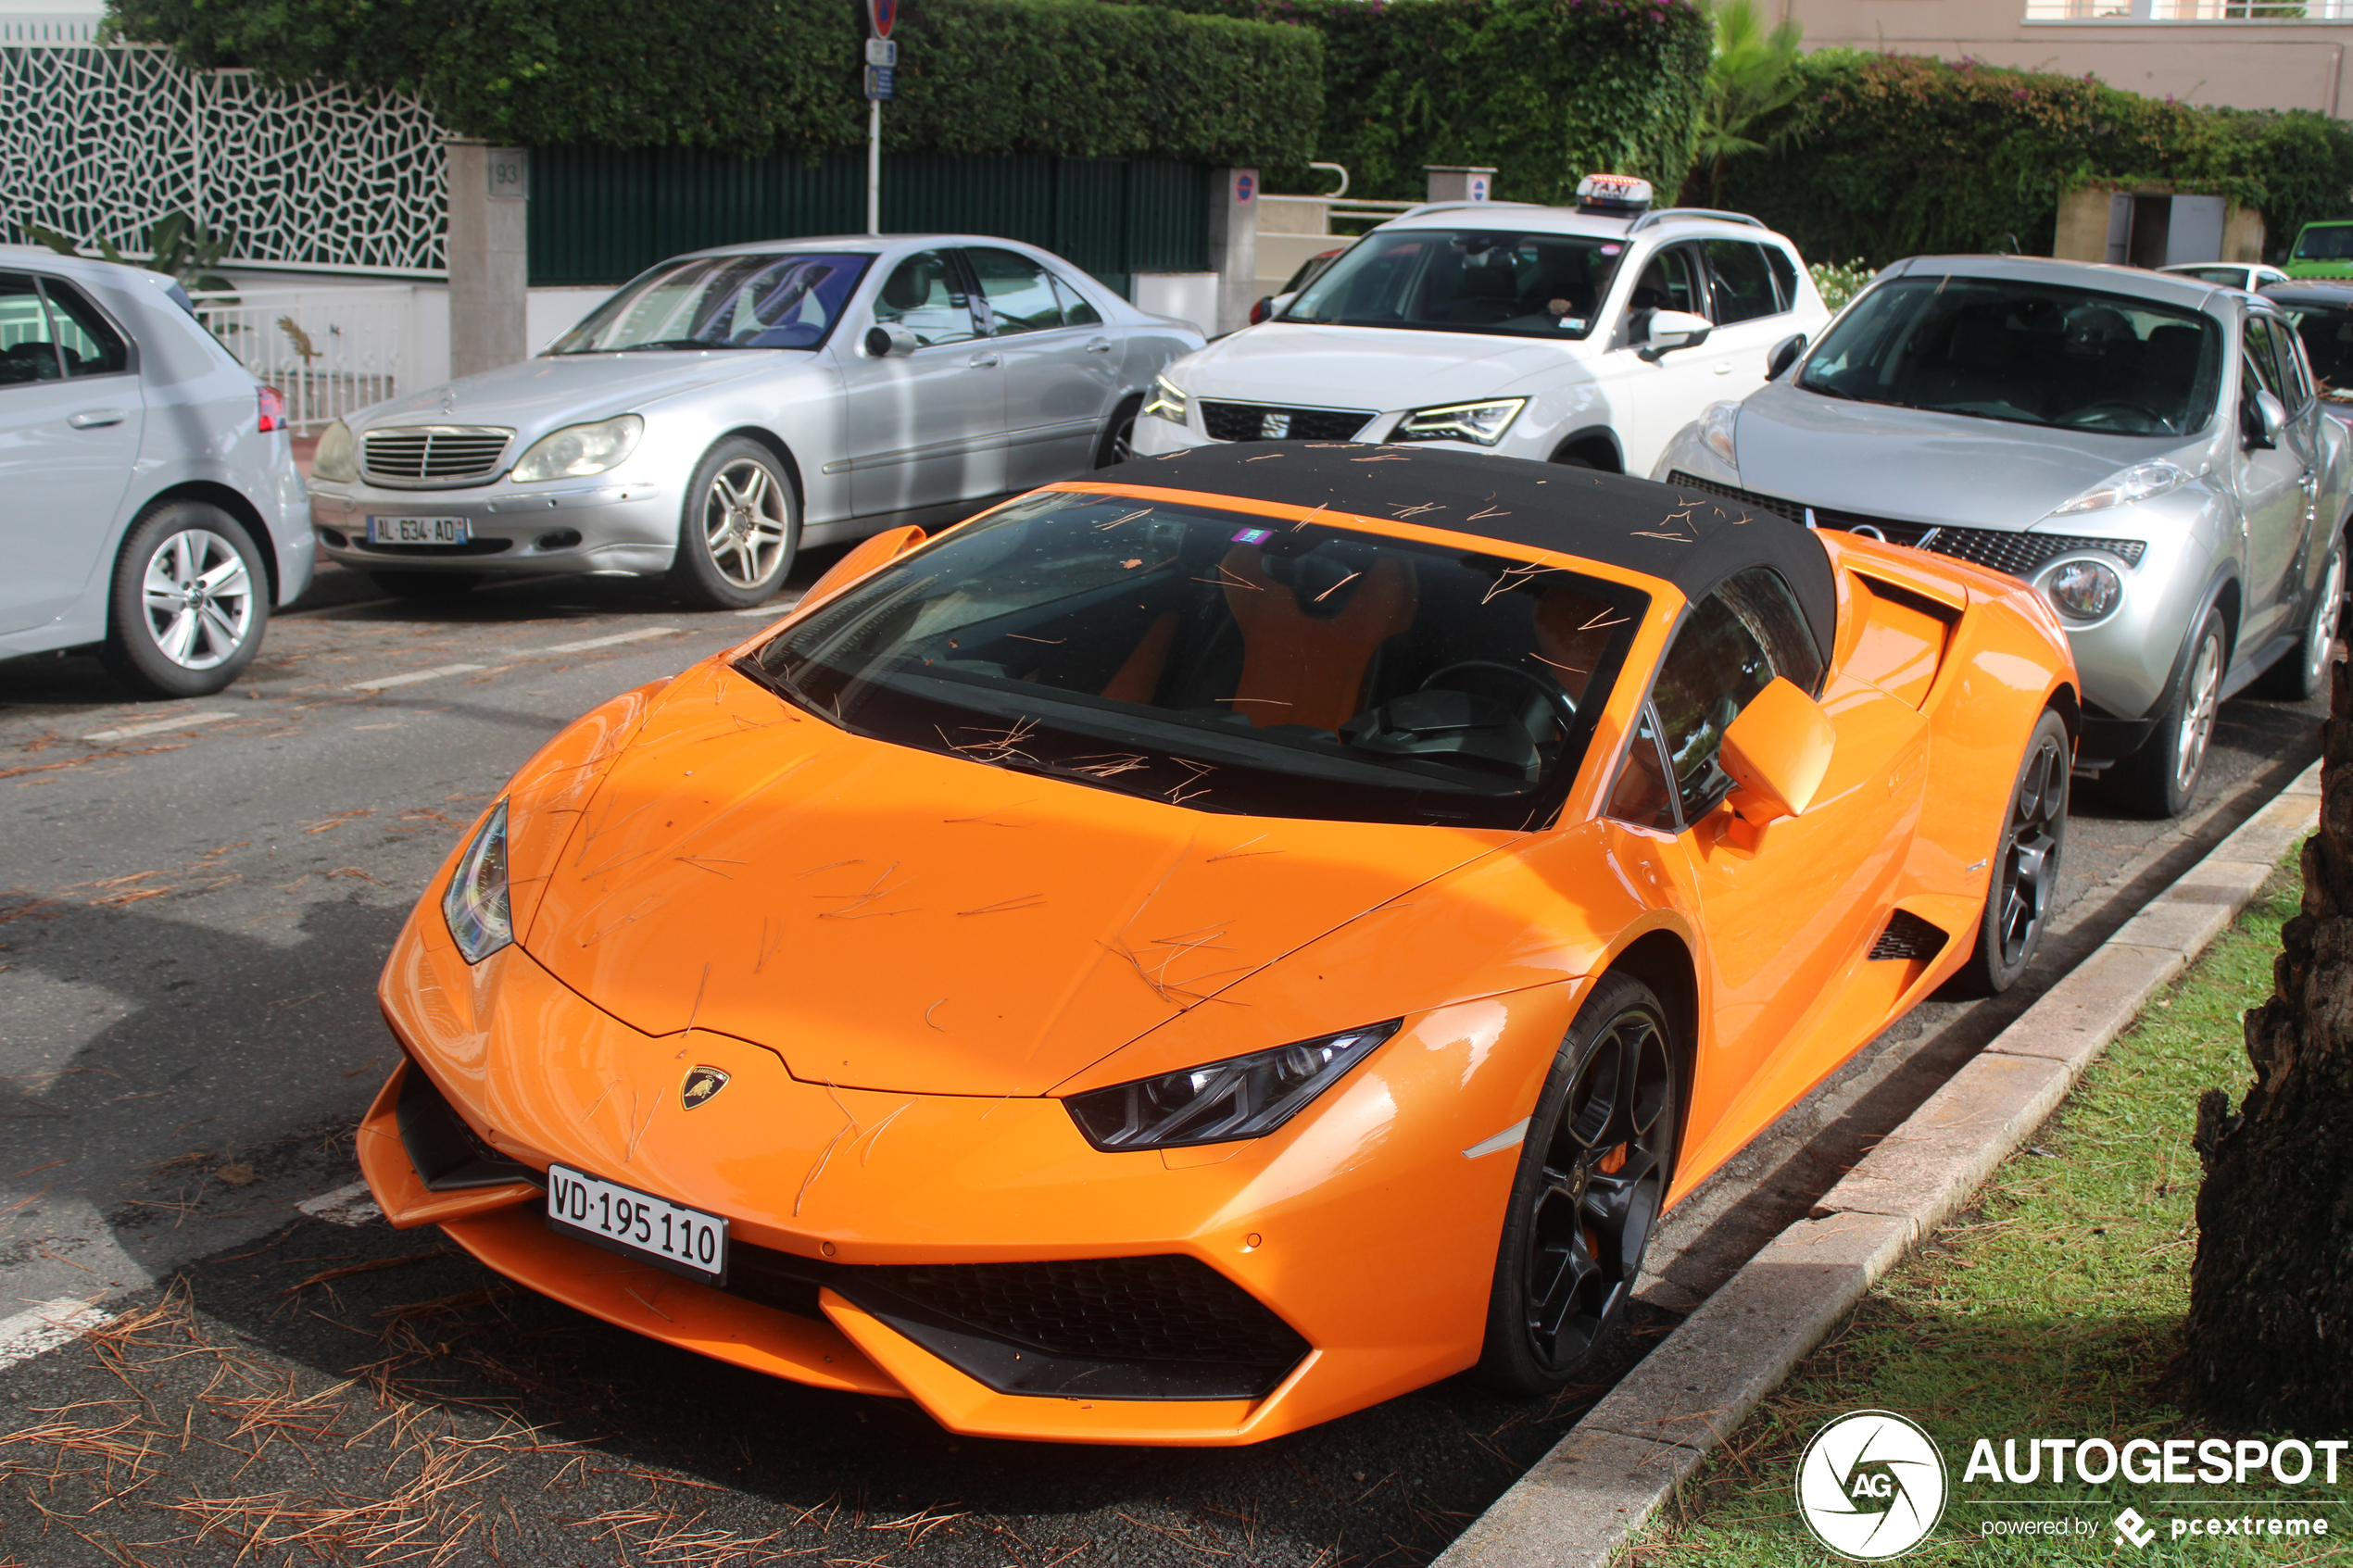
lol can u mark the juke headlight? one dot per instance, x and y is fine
(1167, 402)
(2142, 481)
(576, 450)
(2083, 590)
(1243, 1096)
(1483, 423)
(476, 906)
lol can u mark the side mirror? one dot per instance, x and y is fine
(1776, 752)
(868, 555)
(2263, 418)
(1264, 308)
(884, 342)
(1672, 330)
(1783, 356)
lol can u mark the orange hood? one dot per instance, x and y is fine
(889, 918)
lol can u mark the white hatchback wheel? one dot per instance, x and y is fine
(198, 598)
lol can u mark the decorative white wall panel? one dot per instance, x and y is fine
(102, 141)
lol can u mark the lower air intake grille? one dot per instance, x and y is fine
(1258, 421)
(1909, 936)
(1168, 1327)
(2018, 554)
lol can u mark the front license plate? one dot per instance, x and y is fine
(418, 531)
(637, 1224)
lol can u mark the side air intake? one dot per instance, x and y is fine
(1909, 936)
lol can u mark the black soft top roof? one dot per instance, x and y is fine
(1690, 539)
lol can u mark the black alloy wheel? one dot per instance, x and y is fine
(1593, 1172)
(2022, 885)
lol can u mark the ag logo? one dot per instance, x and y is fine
(1871, 1485)
(701, 1084)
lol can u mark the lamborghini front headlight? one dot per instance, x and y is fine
(476, 906)
(1243, 1096)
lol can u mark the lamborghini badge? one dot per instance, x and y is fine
(701, 1084)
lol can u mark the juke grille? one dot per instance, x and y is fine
(2018, 554)
(1260, 422)
(432, 456)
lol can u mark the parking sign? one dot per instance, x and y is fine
(882, 14)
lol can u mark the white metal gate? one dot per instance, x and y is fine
(328, 351)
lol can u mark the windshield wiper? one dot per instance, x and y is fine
(672, 342)
(1826, 390)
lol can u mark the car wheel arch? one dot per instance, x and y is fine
(776, 448)
(1662, 959)
(229, 499)
(1595, 448)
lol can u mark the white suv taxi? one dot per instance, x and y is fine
(1588, 337)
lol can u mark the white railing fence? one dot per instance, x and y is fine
(2189, 10)
(328, 351)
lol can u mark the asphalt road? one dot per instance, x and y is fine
(192, 917)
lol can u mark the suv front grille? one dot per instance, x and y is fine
(433, 454)
(2018, 554)
(1261, 421)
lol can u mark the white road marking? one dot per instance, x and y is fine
(164, 726)
(1508, 1138)
(345, 1206)
(45, 1327)
(380, 682)
(636, 636)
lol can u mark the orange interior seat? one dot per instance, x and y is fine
(1307, 663)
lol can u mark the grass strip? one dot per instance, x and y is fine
(2051, 1309)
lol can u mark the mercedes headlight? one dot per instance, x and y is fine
(336, 460)
(1482, 423)
(1166, 402)
(476, 906)
(1716, 423)
(2084, 590)
(576, 450)
(1244, 1096)
(2142, 481)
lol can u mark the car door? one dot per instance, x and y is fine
(1664, 396)
(2274, 487)
(1062, 367)
(925, 428)
(71, 413)
(1784, 925)
(1749, 312)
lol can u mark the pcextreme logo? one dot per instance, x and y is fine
(1871, 1485)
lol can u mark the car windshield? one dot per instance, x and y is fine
(2327, 331)
(2026, 353)
(1223, 661)
(2325, 241)
(789, 301)
(1464, 281)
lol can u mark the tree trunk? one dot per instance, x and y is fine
(2269, 1340)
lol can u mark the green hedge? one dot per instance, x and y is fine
(1544, 91)
(1897, 155)
(1072, 77)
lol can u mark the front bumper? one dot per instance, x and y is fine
(600, 525)
(864, 1226)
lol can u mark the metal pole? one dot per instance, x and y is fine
(874, 166)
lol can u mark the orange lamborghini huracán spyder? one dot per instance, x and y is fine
(1180, 957)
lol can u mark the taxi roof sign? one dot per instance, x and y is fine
(1613, 195)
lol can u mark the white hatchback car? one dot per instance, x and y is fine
(1588, 336)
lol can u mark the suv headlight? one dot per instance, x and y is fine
(576, 450)
(336, 460)
(2142, 481)
(1243, 1096)
(2083, 590)
(1716, 423)
(1482, 423)
(476, 906)
(1166, 402)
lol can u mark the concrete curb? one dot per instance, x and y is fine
(1582, 1502)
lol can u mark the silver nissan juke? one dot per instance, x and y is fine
(2149, 451)
(725, 407)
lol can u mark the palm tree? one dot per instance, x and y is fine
(1751, 79)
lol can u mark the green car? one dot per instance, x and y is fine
(2323, 250)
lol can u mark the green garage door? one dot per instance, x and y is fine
(599, 215)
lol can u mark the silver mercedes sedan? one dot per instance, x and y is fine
(726, 408)
(2151, 452)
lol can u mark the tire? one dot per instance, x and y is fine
(426, 587)
(190, 601)
(1575, 1232)
(2020, 892)
(1118, 443)
(739, 528)
(2161, 778)
(2304, 673)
